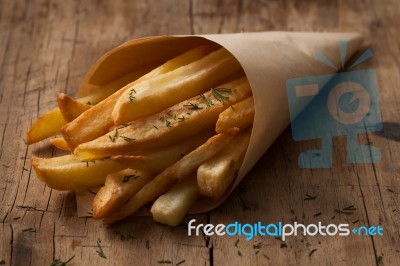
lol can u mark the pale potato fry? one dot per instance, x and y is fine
(47, 125)
(160, 130)
(60, 143)
(68, 173)
(118, 188)
(241, 115)
(70, 108)
(151, 97)
(97, 121)
(171, 207)
(156, 161)
(180, 170)
(216, 174)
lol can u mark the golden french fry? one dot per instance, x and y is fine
(70, 108)
(160, 130)
(180, 170)
(156, 161)
(216, 174)
(241, 115)
(47, 125)
(60, 143)
(171, 207)
(97, 121)
(151, 97)
(118, 188)
(68, 173)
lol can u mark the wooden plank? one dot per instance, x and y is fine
(47, 46)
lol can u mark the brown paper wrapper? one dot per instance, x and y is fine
(269, 59)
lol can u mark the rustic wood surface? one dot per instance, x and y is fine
(46, 47)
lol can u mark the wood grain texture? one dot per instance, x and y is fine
(47, 46)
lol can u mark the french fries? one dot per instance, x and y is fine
(171, 207)
(70, 108)
(178, 122)
(97, 121)
(241, 115)
(100, 93)
(68, 173)
(158, 94)
(60, 143)
(216, 174)
(170, 132)
(180, 170)
(157, 161)
(49, 124)
(117, 189)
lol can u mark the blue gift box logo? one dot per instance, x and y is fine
(341, 104)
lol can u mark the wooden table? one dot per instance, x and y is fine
(47, 46)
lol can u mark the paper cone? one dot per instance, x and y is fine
(269, 59)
